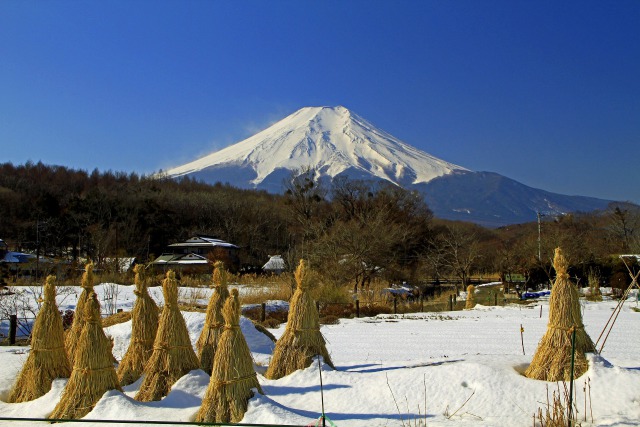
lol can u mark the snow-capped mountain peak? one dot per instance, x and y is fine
(331, 140)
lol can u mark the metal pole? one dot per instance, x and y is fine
(13, 327)
(573, 354)
(37, 248)
(321, 392)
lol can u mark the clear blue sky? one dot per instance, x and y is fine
(544, 92)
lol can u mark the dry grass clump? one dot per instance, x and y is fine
(233, 377)
(471, 297)
(302, 339)
(213, 322)
(93, 372)
(73, 335)
(595, 294)
(47, 359)
(173, 355)
(556, 411)
(144, 326)
(552, 361)
(258, 290)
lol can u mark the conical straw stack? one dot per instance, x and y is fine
(552, 361)
(233, 378)
(173, 355)
(93, 372)
(302, 339)
(47, 359)
(73, 334)
(213, 322)
(144, 325)
(471, 297)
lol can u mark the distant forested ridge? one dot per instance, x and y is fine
(352, 231)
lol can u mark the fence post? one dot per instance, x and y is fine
(451, 302)
(358, 308)
(395, 305)
(263, 312)
(455, 301)
(495, 297)
(421, 304)
(13, 327)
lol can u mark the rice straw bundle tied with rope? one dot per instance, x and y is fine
(233, 378)
(144, 325)
(552, 360)
(73, 334)
(471, 297)
(173, 355)
(302, 340)
(47, 359)
(208, 341)
(93, 372)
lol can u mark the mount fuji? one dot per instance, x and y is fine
(335, 142)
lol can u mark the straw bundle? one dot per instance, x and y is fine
(233, 377)
(93, 372)
(552, 361)
(47, 359)
(471, 297)
(144, 325)
(301, 340)
(213, 323)
(173, 355)
(73, 334)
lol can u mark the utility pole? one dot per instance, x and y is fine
(37, 248)
(117, 260)
(539, 236)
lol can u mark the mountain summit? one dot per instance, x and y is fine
(331, 140)
(334, 142)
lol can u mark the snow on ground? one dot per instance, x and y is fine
(392, 369)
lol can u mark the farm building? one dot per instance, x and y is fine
(275, 265)
(196, 255)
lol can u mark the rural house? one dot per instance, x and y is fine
(275, 265)
(196, 255)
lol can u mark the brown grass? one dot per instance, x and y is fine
(555, 411)
(93, 372)
(173, 355)
(233, 377)
(144, 326)
(552, 360)
(302, 340)
(47, 359)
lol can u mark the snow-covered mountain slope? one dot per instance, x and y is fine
(334, 142)
(331, 140)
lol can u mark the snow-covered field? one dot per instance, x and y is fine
(391, 370)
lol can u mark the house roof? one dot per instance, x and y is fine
(275, 263)
(17, 257)
(203, 241)
(180, 259)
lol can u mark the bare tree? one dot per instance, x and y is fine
(462, 250)
(624, 225)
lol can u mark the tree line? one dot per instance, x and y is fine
(351, 231)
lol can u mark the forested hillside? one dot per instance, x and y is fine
(351, 233)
